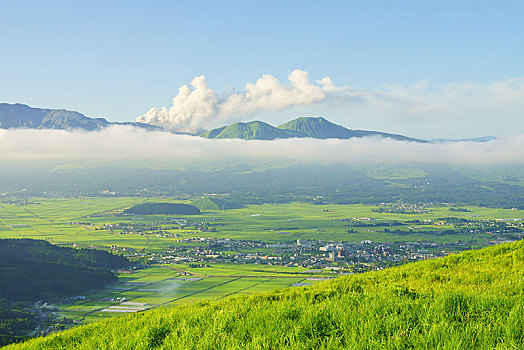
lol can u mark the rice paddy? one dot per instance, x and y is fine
(79, 222)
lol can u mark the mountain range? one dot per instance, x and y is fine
(13, 116)
(314, 127)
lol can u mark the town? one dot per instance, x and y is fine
(348, 255)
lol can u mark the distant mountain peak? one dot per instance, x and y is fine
(254, 130)
(21, 116)
(317, 127)
(313, 127)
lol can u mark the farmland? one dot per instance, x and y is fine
(177, 284)
(186, 258)
(471, 300)
(74, 221)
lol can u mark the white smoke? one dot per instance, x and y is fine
(127, 143)
(200, 107)
(269, 94)
(190, 108)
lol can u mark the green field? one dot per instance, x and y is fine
(66, 221)
(168, 285)
(78, 221)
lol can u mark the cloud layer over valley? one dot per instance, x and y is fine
(128, 143)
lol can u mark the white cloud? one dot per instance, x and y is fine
(420, 109)
(127, 143)
(268, 94)
(190, 108)
(200, 107)
(464, 100)
(451, 110)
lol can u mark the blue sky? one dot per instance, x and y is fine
(120, 58)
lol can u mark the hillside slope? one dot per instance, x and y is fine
(314, 127)
(320, 128)
(255, 130)
(464, 301)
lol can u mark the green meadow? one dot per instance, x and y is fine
(472, 300)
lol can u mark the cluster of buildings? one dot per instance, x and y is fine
(364, 255)
(401, 208)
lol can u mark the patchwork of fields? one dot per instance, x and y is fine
(80, 222)
(70, 221)
(167, 285)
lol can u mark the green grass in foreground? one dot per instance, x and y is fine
(466, 301)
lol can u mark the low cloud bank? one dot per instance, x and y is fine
(128, 143)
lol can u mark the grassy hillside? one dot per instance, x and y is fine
(211, 134)
(318, 128)
(321, 128)
(465, 301)
(255, 130)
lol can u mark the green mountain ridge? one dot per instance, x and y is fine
(313, 127)
(472, 300)
(255, 130)
(317, 127)
(21, 116)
